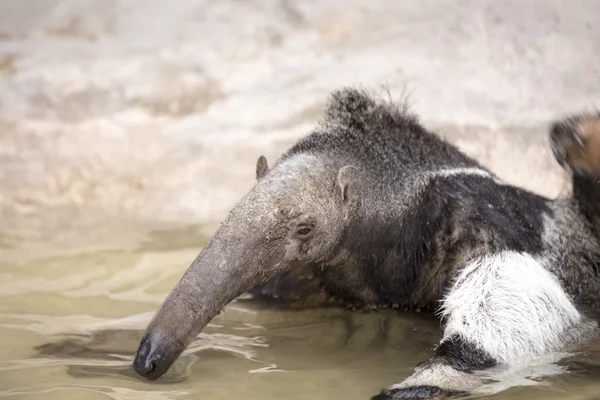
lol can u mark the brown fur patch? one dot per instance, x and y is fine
(582, 147)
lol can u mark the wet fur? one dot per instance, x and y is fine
(435, 229)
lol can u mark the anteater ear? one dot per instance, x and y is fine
(262, 167)
(346, 180)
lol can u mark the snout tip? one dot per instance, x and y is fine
(143, 363)
(149, 361)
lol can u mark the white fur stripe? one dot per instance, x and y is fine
(456, 172)
(462, 171)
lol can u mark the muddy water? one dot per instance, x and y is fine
(69, 327)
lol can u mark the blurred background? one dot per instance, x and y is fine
(115, 111)
(128, 129)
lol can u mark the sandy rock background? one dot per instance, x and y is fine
(117, 116)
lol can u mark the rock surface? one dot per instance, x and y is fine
(115, 113)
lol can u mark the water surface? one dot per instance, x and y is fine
(70, 326)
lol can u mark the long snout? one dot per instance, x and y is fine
(226, 268)
(185, 312)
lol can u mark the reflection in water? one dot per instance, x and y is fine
(110, 353)
(70, 327)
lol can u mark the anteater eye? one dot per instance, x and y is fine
(303, 231)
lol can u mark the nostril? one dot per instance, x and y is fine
(144, 363)
(150, 367)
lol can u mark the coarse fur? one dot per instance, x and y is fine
(372, 210)
(410, 175)
(510, 305)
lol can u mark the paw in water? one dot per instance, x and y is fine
(576, 144)
(416, 393)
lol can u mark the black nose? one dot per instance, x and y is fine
(143, 363)
(150, 361)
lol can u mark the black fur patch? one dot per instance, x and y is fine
(511, 217)
(464, 356)
(587, 193)
(394, 251)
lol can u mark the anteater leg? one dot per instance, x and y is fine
(501, 309)
(446, 375)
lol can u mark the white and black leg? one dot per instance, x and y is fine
(501, 309)
(447, 374)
